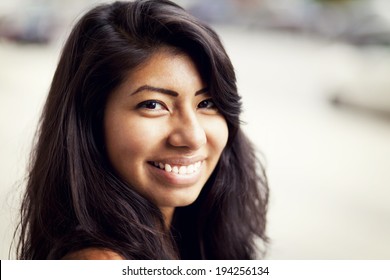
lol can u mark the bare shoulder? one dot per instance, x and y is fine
(93, 254)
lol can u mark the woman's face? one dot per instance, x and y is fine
(163, 134)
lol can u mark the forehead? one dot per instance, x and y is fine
(166, 68)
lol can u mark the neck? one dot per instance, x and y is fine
(168, 215)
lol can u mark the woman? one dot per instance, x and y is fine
(140, 154)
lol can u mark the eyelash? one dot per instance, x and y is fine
(208, 106)
(145, 104)
(204, 104)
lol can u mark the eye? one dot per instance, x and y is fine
(151, 105)
(207, 104)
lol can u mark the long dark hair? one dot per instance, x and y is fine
(74, 200)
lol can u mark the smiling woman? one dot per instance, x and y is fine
(164, 140)
(140, 154)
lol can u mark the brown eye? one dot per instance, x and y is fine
(151, 105)
(207, 104)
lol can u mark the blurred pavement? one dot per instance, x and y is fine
(328, 167)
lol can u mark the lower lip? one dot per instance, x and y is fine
(172, 178)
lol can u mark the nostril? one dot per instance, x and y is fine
(188, 132)
(188, 137)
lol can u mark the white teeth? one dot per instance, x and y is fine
(168, 168)
(180, 169)
(190, 169)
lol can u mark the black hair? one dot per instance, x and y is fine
(73, 198)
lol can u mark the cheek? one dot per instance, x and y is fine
(130, 137)
(217, 134)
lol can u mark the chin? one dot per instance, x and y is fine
(178, 201)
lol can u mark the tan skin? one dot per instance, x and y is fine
(93, 254)
(163, 135)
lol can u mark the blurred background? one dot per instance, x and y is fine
(314, 77)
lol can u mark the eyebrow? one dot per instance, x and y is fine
(165, 91)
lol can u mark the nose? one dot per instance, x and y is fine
(187, 132)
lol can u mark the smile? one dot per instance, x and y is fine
(178, 169)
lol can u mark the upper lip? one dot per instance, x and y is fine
(179, 160)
